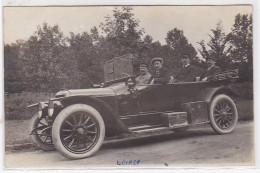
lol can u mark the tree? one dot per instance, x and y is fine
(145, 49)
(179, 43)
(48, 63)
(122, 32)
(86, 51)
(217, 48)
(241, 39)
(13, 65)
(95, 36)
(148, 40)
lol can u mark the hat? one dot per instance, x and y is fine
(143, 64)
(157, 59)
(185, 56)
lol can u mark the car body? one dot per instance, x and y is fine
(75, 122)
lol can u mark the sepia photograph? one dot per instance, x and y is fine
(155, 86)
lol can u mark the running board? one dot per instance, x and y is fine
(145, 126)
(141, 119)
(155, 119)
(139, 115)
(152, 129)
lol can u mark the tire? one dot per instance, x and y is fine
(78, 131)
(223, 114)
(181, 129)
(41, 138)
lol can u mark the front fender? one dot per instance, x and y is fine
(111, 119)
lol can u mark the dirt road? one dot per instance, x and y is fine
(197, 147)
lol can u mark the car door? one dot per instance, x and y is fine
(159, 98)
(169, 97)
(147, 98)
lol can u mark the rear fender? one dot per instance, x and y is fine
(209, 93)
(113, 124)
(198, 111)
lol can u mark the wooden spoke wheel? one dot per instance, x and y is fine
(40, 131)
(78, 131)
(223, 114)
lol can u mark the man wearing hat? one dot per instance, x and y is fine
(186, 74)
(211, 70)
(160, 75)
(144, 74)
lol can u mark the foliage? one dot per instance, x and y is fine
(49, 61)
(46, 58)
(13, 67)
(218, 47)
(85, 55)
(241, 38)
(179, 43)
(122, 31)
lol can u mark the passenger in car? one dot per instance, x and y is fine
(187, 72)
(160, 75)
(144, 74)
(211, 70)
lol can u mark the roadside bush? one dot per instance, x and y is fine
(16, 104)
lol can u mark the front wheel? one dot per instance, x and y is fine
(223, 114)
(78, 131)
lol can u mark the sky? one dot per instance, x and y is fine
(195, 21)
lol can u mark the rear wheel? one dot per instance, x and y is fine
(40, 131)
(223, 114)
(78, 131)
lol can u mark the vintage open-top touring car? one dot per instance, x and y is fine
(76, 122)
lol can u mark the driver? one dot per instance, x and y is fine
(160, 74)
(144, 74)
